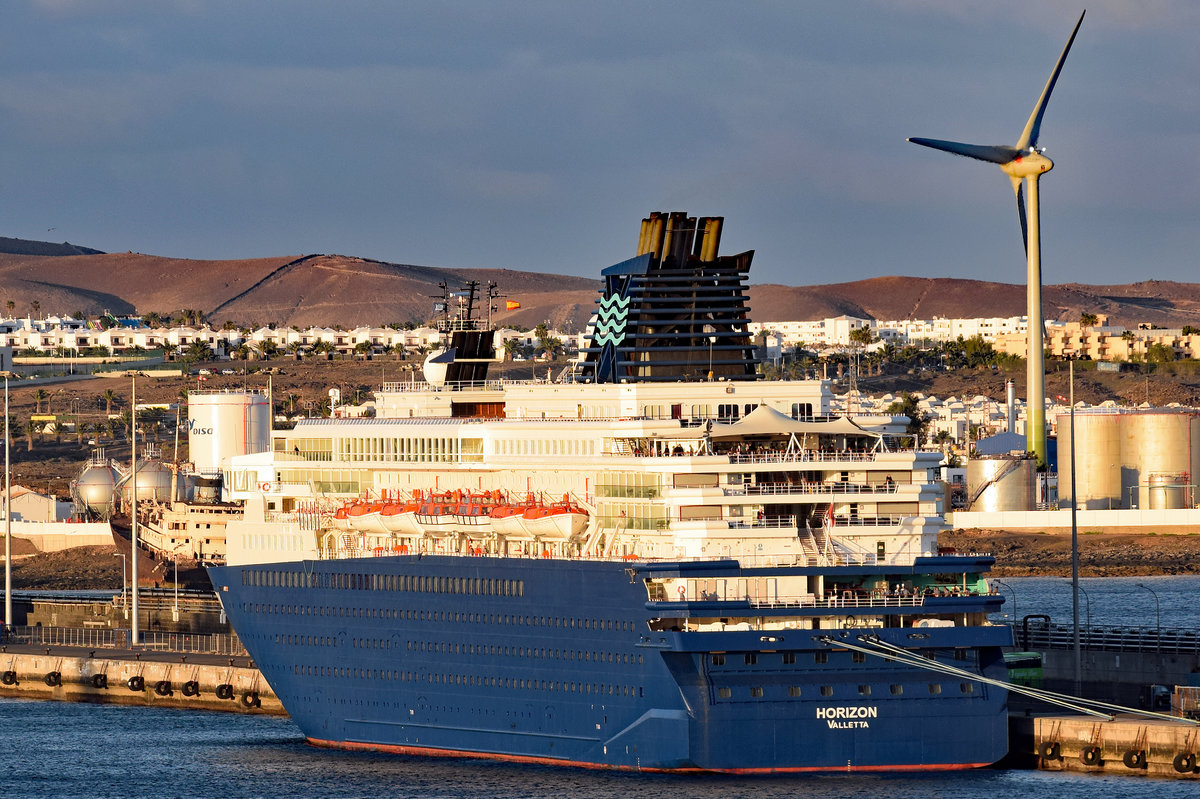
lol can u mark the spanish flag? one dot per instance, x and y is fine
(509, 305)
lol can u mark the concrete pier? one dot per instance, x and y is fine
(132, 677)
(1128, 745)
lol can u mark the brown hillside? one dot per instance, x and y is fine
(308, 290)
(343, 290)
(1160, 303)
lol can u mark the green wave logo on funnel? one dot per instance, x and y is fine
(611, 320)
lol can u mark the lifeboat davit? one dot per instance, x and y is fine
(508, 519)
(364, 517)
(558, 522)
(401, 518)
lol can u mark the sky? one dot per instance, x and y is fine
(536, 135)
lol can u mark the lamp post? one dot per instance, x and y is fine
(1074, 545)
(1157, 616)
(8, 603)
(1003, 584)
(124, 601)
(1087, 604)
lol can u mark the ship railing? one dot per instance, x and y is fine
(804, 600)
(816, 488)
(1110, 639)
(120, 638)
(773, 522)
(803, 456)
(867, 521)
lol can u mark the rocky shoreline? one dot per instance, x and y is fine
(1024, 554)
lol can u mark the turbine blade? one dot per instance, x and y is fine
(1020, 192)
(1029, 136)
(995, 154)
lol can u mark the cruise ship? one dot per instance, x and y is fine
(658, 561)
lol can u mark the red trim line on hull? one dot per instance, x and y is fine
(421, 751)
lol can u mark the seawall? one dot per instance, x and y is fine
(128, 678)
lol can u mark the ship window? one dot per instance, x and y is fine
(935, 687)
(789, 658)
(756, 691)
(864, 690)
(967, 687)
(820, 657)
(826, 690)
(751, 658)
(858, 657)
(793, 690)
(961, 654)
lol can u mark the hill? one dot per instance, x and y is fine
(344, 290)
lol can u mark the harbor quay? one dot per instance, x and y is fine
(190, 680)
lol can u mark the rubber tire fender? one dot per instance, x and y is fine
(1184, 763)
(1050, 750)
(136, 683)
(250, 699)
(53, 679)
(163, 687)
(1134, 758)
(1090, 756)
(9, 677)
(191, 688)
(224, 691)
(100, 680)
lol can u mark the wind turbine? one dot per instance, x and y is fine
(1024, 164)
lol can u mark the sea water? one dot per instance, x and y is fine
(58, 749)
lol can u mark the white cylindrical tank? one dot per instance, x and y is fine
(1098, 459)
(222, 424)
(1167, 491)
(1002, 483)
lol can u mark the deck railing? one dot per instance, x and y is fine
(1109, 639)
(119, 638)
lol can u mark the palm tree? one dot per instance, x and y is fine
(37, 306)
(11, 305)
(269, 349)
(511, 347)
(39, 397)
(109, 396)
(30, 429)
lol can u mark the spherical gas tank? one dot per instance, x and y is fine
(153, 483)
(95, 489)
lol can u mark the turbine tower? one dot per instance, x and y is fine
(1024, 164)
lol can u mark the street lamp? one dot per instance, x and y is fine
(1087, 603)
(1157, 615)
(1003, 584)
(8, 603)
(124, 600)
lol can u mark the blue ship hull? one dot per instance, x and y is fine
(560, 661)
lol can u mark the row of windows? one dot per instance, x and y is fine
(543, 653)
(473, 680)
(756, 692)
(554, 446)
(822, 656)
(556, 622)
(417, 583)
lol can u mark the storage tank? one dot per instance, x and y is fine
(94, 489)
(1167, 491)
(1117, 453)
(222, 424)
(153, 482)
(1098, 455)
(1007, 482)
(1161, 443)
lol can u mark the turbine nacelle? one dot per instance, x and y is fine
(1025, 166)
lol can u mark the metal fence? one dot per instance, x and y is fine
(119, 638)
(1109, 639)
